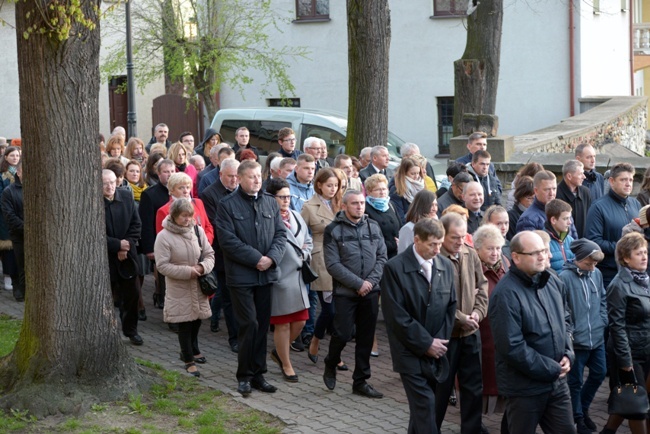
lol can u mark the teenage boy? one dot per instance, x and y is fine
(558, 223)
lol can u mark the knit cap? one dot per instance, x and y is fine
(583, 248)
(644, 215)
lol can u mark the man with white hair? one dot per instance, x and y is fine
(119, 131)
(314, 147)
(379, 159)
(364, 156)
(473, 197)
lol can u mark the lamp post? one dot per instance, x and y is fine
(130, 88)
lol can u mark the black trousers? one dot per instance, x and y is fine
(464, 355)
(226, 304)
(362, 313)
(188, 333)
(19, 252)
(127, 293)
(252, 308)
(552, 411)
(422, 403)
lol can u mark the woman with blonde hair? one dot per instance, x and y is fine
(429, 183)
(179, 155)
(408, 181)
(135, 151)
(115, 148)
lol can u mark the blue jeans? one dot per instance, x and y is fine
(309, 325)
(583, 394)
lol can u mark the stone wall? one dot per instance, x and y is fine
(619, 120)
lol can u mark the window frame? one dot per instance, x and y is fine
(450, 13)
(313, 16)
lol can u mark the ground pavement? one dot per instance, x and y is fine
(306, 406)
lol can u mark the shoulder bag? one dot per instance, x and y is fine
(207, 282)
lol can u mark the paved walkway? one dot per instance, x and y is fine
(306, 406)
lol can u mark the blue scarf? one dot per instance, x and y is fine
(378, 203)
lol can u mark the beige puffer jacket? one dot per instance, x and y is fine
(177, 251)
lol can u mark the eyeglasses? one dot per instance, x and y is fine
(542, 252)
(289, 140)
(283, 197)
(106, 184)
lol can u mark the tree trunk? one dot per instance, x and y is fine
(69, 353)
(368, 54)
(476, 74)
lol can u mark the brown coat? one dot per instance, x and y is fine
(471, 288)
(317, 216)
(177, 251)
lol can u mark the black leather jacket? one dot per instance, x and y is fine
(628, 309)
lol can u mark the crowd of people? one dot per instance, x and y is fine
(499, 303)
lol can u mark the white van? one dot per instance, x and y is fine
(264, 124)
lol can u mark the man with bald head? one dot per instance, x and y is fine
(594, 181)
(474, 199)
(534, 352)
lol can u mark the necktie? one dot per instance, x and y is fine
(426, 268)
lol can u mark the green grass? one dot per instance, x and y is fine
(9, 330)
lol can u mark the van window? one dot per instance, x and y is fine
(335, 140)
(264, 134)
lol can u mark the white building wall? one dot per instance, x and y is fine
(604, 50)
(10, 119)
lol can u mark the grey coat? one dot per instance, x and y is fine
(289, 293)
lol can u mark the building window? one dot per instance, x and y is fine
(449, 8)
(445, 123)
(287, 102)
(312, 9)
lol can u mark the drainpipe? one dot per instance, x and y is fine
(631, 14)
(571, 61)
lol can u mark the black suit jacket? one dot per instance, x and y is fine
(369, 170)
(122, 223)
(211, 197)
(151, 199)
(413, 315)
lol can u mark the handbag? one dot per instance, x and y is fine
(308, 273)
(629, 401)
(207, 282)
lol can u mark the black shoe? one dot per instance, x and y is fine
(136, 339)
(263, 386)
(312, 357)
(581, 428)
(297, 345)
(173, 327)
(214, 328)
(342, 367)
(276, 358)
(290, 378)
(234, 347)
(202, 360)
(142, 315)
(329, 377)
(588, 422)
(19, 295)
(484, 429)
(194, 373)
(244, 388)
(367, 390)
(158, 301)
(306, 339)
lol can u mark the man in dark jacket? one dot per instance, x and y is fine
(594, 181)
(454, 195)
(533, 348)
(12, 211)
(287, 141)
(571, 190)
(122, 231)
(151, 199)
(253, 239)
(585, 299)
(160, 134)
(379, 159)
(242, 137)
(607, 217)
(479, 168)
(355, 255)
(211, 196)
(418, 299)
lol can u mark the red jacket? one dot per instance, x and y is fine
(200, 216)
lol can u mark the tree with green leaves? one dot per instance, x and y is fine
(69, 353)
(368, 61)
(205, 44)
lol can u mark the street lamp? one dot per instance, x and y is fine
(130, 88)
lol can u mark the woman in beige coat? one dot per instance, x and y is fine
(177, 255)
(318, 212)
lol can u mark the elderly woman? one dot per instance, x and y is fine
(498, 216)
(289, 299)
(524, 196)
(183, 253)
(424, 205)
(135, 151)
(318, 212)
(115, 148)
(488, 240)
(180, 186)
(408, 181)
(378, 208)
(628, 310)
(179, 155)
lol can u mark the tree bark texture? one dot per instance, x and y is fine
(476, 74)
(69, 339)
(368, 61)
